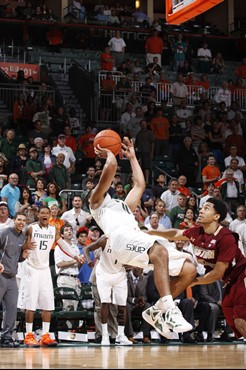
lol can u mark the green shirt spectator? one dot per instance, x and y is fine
(58, 172)
(34, 167)
(8, 145)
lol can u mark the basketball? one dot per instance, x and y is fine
(108, 139)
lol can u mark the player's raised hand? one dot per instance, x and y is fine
(128, 148)
(1, 268)
(101, 152)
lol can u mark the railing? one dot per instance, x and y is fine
(115, 101)
(10, 92)
(69, 194)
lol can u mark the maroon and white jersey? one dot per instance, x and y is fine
(222, 246)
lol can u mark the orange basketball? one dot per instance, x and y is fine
(108, 139)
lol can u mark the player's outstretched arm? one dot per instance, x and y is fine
(171, 234)
(106, 177)
(216, 274)
(99, 243)
(134, 196)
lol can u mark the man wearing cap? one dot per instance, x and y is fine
(10, 193)
(34, 167)
(76, 217)
(70, 159)
(18, 163)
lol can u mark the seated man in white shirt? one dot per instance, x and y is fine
(237, 173)
(170, 196)
(233, 155)
(240, 220)
(67, 268)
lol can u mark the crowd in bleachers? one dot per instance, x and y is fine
(188, 152)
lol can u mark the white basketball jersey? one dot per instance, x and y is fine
(114, 213)
(108, 262)
(44, 237)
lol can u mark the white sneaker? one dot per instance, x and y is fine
(175, 321)
(122, 340)
(155, 318)
(105, 340)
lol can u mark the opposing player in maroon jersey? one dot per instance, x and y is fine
(217, 249)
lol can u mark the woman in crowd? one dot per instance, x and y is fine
(40, 193)
(47, 159)
(26, 200)
(53, 197)
(192, 204)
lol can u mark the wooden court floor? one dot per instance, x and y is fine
(229, 356)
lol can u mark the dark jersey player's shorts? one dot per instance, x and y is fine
(234, 302)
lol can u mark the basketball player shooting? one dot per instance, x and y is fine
(130, 246)
(36, 290)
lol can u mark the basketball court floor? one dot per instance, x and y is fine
(154, 356)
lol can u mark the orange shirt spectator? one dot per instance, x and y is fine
(70, 140)
(85, 143)
(241, 69)
(58, 223)
(160, 127)
(154, 45)
(55, 37)
(107, 61)
(210, 173)
(184, 190)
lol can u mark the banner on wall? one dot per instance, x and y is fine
(30, 70)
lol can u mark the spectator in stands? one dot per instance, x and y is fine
(18, 112)
(154, 222)
(154, 47)
(133, 126)
(147, 89)
(59, 121)
(55, 39)
(233, 155)
(39, 193)
(230, 190)
(101, 17)
(47, 159)
(204, 58)
(108, 85)
(39, 142)
(70, 159)
(117, 46)
(182, 180)
(240, 220)
(216, 140)
(58, 172)
(145, 142)
(189, 219)
(29, 109)
(238, 174)
(119, 191)
(85, 270)
(241, 71)
(179, 91)
(91, 172)
(50, 15)
(160, 128)
(177, 213)
(10, 193)
(218, 64)
(197, 133)
(137, 68)
(160, 210)
(85, 145)
(160, 185)
(18, 163)
(36, 132)
(183, 113)
(137, 302)
(141, 17)
(234, 109)
(209, 191)
(28, 11)
(113, 19)
(8, 145)
(107, 61)
(187, 161)
(150, 112)
(53, 197)
(34, 167)
(154, 69)
(25, 200)
(223, 94)
(170, 196)
(79, 9)
(125, 118)
(204, 82)
(179, 48)
(210, 173)
(73, 120)
(70, 140)
(4, 171)
(175, 136)
(192, 204)
(76, 217)
(185, 69)
(235, 139)
(67, 268)
(44, 117)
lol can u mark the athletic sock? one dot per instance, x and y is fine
(121, 330)
(165, 303)
(104, 328)
(29, 326)
(45, 327)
